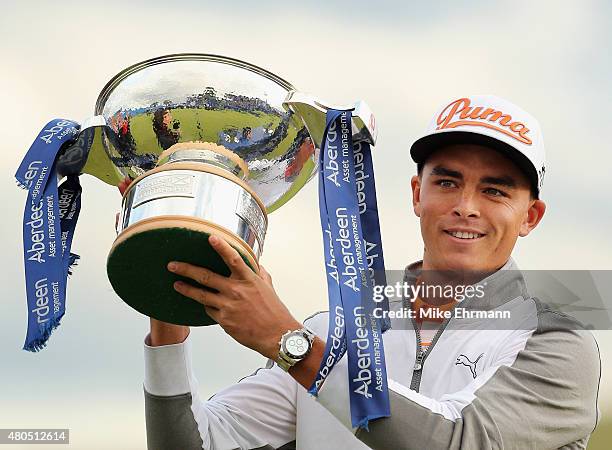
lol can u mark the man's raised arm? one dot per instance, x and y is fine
(257, 412)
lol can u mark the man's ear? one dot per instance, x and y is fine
(533, 217)
(415, 182)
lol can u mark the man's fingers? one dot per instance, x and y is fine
(263, 273)
(213, 313)
(201, 275)
(231, 257)
(212, 302)
(207, 298)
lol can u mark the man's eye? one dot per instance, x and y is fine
(494, 192)
(446, 183)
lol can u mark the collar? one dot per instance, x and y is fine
(499, 287)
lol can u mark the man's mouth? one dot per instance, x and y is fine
(467, 235)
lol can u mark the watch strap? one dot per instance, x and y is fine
(283, 363)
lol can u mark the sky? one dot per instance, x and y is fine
(404, 58)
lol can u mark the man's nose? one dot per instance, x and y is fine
(466, 206)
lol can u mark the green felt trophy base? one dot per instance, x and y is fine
(137, 266)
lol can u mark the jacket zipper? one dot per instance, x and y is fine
(417, 369)
(421, 356)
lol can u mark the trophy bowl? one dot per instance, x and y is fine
(211, 145)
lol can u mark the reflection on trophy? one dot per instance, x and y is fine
(212, 145)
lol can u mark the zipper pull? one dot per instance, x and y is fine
(418, 365)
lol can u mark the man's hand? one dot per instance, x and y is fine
(244, 304)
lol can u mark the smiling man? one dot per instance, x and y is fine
(459, 383)
(473, 203)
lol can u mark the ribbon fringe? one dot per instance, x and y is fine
(41, 341)
(21, 185)
(73, 262)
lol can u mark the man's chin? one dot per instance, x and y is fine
(461, 262)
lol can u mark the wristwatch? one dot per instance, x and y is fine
(294, 346)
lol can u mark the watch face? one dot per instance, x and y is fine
(296, 345)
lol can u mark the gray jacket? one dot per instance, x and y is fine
(530, 382)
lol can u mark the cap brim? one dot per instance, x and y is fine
(426, 145)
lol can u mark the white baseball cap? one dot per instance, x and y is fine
(492, 122)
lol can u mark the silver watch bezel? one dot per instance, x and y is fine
(285, 358)
(288, 336)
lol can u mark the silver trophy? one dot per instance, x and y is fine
(211, 145)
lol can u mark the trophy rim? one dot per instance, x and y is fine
(174, 57)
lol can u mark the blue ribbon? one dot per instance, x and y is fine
(368, 211)
(354, 261)
(49, 221)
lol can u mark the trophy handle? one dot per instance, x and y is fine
(87, 154)
(312, 111)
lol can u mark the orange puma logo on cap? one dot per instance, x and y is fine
(461, 107)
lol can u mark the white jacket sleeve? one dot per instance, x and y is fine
(257, 412)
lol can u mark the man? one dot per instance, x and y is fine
(453, 383)
(167, 130)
